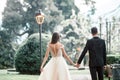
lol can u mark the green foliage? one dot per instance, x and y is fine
(6, 51)
(72, 34)
(18, 16)
(28, 56)
(67, 28)
(66, 6)
(112, 59)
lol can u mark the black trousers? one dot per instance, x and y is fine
(96, 73)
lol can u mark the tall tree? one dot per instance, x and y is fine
(12, 17)
(19, 16)
(66, 6)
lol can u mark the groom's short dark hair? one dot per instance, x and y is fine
(94, 30)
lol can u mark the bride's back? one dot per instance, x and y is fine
(55, 48)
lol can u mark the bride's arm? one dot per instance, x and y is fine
(45, 58)
(67, 57)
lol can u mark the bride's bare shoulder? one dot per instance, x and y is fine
(61, 45)
(48, 44)
(58, 44)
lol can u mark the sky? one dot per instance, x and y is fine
(2, 5)
(102, 6)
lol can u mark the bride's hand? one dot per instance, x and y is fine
(77, 65)
(74, 64)
(41, 69)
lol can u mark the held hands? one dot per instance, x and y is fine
(77, 65)
(73, 64)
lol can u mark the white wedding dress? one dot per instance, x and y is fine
(56, 68)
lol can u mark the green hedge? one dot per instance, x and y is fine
(112, 59)
(28, 56)
(6, 56)
(7, 59)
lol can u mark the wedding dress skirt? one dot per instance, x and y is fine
(55, 69)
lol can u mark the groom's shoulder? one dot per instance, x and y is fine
(90, 39)
(101, 39)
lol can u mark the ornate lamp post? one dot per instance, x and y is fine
(39, 19)
(100, 19)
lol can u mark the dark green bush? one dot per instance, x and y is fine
(6, 50)
(112, 59)
(6, 56)
(28, 56)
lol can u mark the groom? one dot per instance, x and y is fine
(97, 55)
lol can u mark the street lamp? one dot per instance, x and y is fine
(39, 19)
(107, 34)
(100, 19)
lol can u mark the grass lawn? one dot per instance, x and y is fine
(18, 77)
(21, 77)
(5, 76)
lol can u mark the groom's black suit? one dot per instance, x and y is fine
(97, 56)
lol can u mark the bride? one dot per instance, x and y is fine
(56, 68)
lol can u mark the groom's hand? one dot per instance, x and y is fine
(77, 65)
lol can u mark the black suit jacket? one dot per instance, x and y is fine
(97, 52)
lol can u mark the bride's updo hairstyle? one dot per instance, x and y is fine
(55, 38)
